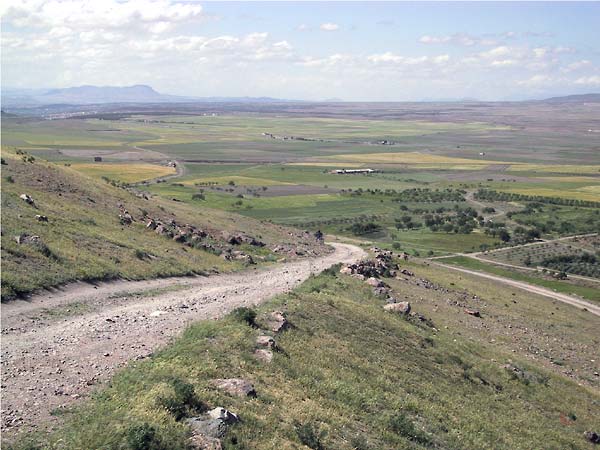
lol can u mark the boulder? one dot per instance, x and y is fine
(381, 291)
(236, 386)
(277, 322)
(346, 270)
(263, 355)
(265, 341)
(180, 237)
(592, 436)
(376, 283)
(151, 224)
(224, 415)
(27, 199)
(213, 424)
(399, 308)
(27, 239)
(472, 312)
(41, 218)
(202, 442)
(358, 276)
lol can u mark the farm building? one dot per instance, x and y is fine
(352, 171)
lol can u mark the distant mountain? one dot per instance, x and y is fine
(89, 95)
(581, 98)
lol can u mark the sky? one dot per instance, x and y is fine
(353, 51)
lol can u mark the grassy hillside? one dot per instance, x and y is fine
(84, 239)
(349, 375)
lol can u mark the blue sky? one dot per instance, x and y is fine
(376, 51)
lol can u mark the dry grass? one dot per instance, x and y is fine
(126, 173)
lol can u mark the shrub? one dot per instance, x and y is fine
(310, 435)
(247, 315)
(182, 400)
(9, 179)
(140, 254)
(402, 425)
(142, 437)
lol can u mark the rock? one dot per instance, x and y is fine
(265, 341)
(358, 276)
(208, 429)
(381, 291)
(346, 270)
(201, 442)
(224, 415)
(375, 282)
(41, 218)
(27, 239)
(592, 437)
(399, 308)
(407, 273)
(277, 322)
(27, 199)
(472, 312)
(125, 218)
(151, 224)
(236, 386)
(263, 355)
(179, 237)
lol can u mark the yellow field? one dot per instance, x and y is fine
(409, 158)
(556, 168)
(591, 193)
(241, 180)
(127, 173)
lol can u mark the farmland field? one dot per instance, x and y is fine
(276, 166)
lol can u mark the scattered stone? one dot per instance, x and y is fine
(592, 436)
(277, 322)
(263, 355)
(24, 238)
(213, 424)
(27, 199)
(473, 312)
(236, 386)
(201, 442)
(376, 283)
(381, 291)
(265, 341)
(399, 308)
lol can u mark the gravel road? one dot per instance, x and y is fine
(56, 346)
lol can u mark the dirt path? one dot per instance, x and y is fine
(594, 309)
(56, 346)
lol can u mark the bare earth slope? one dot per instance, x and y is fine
(51, 357)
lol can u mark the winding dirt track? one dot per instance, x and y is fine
(57, 345)
(574, 301)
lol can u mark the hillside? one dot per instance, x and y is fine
(346, 374)
(72, 227)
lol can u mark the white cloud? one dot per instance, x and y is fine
(593, 80)
(329, 26)
(461, 39)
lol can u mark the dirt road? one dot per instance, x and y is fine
(594, 309)
(56, 346)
